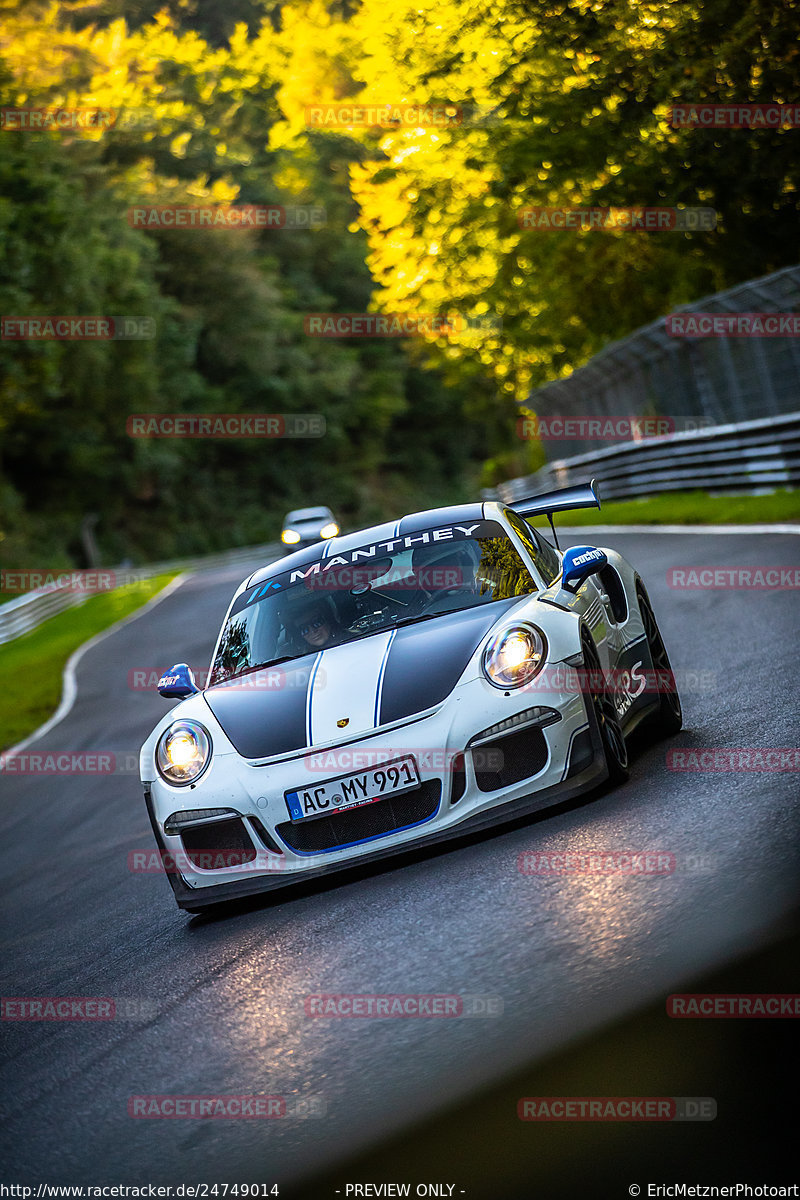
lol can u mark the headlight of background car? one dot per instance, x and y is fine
(183, 752)
(290, 537)
(330, 530)
(514, 656)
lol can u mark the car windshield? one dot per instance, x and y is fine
(370, 589)
(307, 514)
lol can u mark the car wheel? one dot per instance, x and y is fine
(668, 718)
(605, 713)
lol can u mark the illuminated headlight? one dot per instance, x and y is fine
(183, 752)
(514, 656)
(330, 530)
(290, 537)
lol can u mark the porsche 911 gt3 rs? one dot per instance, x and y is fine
(400, 685)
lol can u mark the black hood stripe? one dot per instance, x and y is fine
(261, 722)
(427, 660)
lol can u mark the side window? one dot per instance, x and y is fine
(545, 558)
(549, 562)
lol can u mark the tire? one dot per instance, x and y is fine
(668, 718)
(605, 714)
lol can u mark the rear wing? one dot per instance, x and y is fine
(583, 495)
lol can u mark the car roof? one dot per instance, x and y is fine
(307, 514)
(412, 523)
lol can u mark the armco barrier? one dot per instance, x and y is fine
(694, 382)
(747, 456)
(25, 612)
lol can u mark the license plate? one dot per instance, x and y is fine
(353, 791)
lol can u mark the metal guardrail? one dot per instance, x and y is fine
(737, 400)
(24, 613)
(746, 456)
(693, 381)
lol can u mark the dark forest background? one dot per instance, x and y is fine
(570, 104)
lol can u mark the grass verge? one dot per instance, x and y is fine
(31, 666)
(692, 508)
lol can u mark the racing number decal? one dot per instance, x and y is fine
(624, 693)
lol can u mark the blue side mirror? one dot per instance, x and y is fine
(177, 683)
(579, 563)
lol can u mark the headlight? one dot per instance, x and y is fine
(514, 656)
(290, 537)
(183, 752)
(330, 530)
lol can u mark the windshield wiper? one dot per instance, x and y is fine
(424, 617)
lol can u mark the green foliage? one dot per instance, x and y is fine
(576, 95)
(228, 305)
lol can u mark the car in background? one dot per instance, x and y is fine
(305, 526)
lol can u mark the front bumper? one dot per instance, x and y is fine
(543, 761)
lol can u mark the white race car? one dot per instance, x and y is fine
(399, 685)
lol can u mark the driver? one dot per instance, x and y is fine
(314, 626)
(442, 569)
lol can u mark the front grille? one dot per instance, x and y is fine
(358, 824)
(218, 844)
(509, 759)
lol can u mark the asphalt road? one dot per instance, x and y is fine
(215, 1006)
